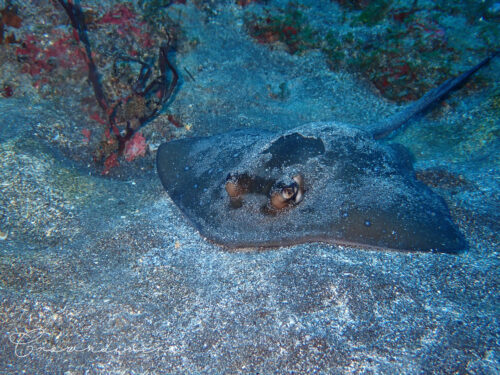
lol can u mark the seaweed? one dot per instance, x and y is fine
(147, 97)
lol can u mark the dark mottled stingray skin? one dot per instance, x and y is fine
(359, 191)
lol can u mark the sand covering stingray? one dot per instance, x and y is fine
(358, 191)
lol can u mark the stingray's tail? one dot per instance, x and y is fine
(386, 127)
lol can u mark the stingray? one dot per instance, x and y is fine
(321, 182)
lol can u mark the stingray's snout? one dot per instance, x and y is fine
(283, 195)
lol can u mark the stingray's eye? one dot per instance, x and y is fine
(233, 188)
(289, 191)
(284, 195)
(236, 185)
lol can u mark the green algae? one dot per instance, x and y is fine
(289, 27)
(375, 12)
(403, 49)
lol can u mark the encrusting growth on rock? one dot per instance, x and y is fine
(135, 110)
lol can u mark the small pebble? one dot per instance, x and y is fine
(3, 235)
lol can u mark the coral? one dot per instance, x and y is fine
(126, 113)
(7, 91)
(108, 146)
(86, 133)
(374, 12)
(128, 27)
(135, 147)
(154, 10)
(289, 27)
(354, 4)
(40, 58)
(132, 110)
(399, 61)
(110, 162)
(9, 19)
(121, 15)
(244, 3)
(410, 51)
(174, 121)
